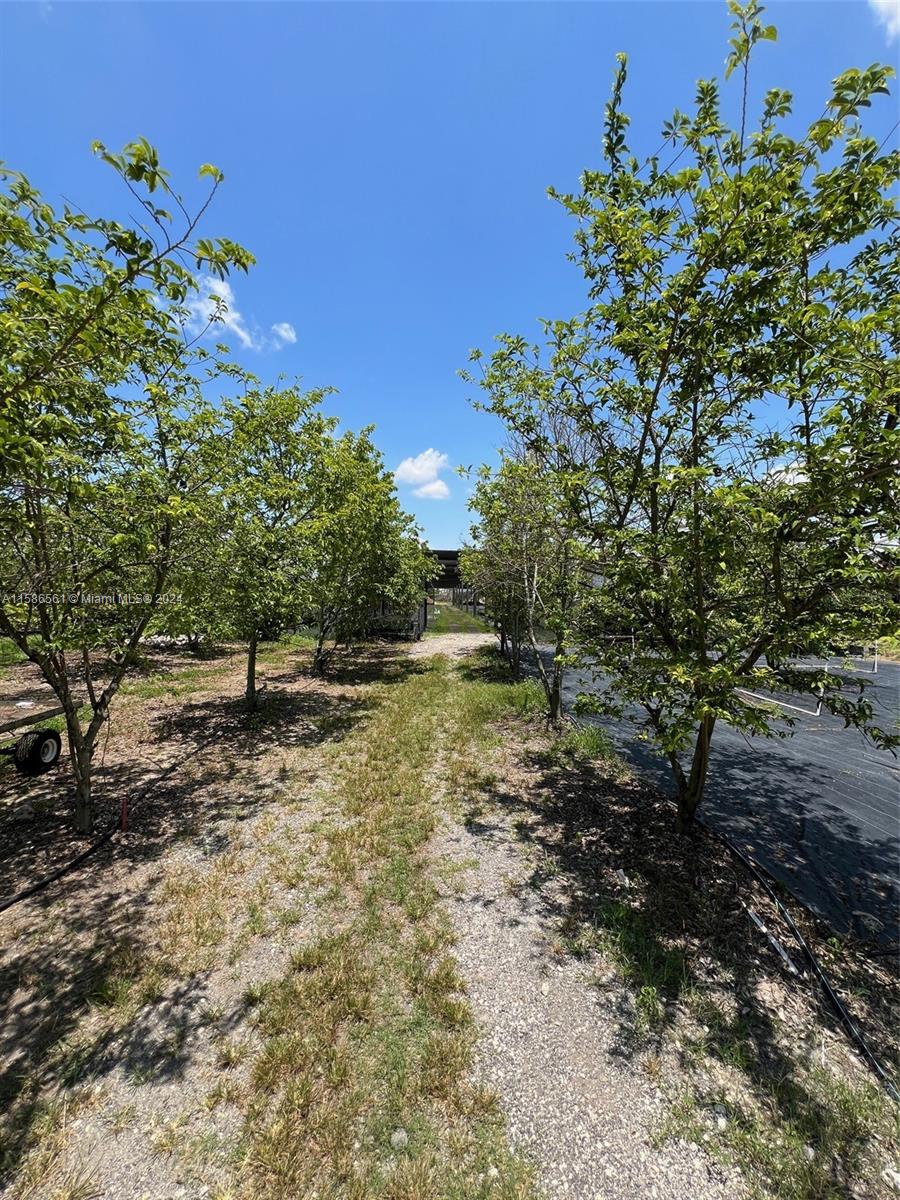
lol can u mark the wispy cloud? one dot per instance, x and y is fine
(887, 12)
(424, 468)
(214, 301)
(435, 490)
(285, 333)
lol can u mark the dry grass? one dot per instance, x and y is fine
(118, 950)
(757, 1068)
(363, 1086)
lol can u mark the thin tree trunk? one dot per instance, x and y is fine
(691, 792)
(319, 655)
(84, 802)
(80, 755)
(250, 694)
(556, 686)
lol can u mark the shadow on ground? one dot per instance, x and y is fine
(818, 809)
(610, 874)
(204, 765)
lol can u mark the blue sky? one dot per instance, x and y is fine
(387, 164)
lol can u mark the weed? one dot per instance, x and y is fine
(369, 1031)
(817, 1145)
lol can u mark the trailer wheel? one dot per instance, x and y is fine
(37, 751)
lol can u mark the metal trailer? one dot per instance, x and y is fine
(38, 750)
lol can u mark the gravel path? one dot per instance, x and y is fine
(581, 1111)
(454, 645)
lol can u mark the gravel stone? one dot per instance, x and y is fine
(399, 1139)
(580, 1112)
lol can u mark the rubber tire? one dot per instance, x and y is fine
(37, 751)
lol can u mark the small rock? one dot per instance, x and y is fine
(809, 1153)
(891, 1177)
(492, 1173)
(399, 1139)
(545, 988)
(721, 1123)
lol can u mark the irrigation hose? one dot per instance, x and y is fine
(59, 872)
(834, 999)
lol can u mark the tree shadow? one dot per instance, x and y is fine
(282, 720)
(201, 768)
(609, 876)
(372, 663)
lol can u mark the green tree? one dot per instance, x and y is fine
(530, 565)
(734, 380)
(488, 569)
(272, 461)
(365, 548)
(102, 423)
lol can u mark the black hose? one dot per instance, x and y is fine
(846, 1020)
(59, 872)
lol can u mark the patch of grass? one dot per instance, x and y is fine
(491, 694)
(231, 1051)
(809, 1141)
(447, 618)
(588, 744)
(362, 1085)
(49, 1135)
(199, 913)
(632, 941)
(170, 683)
(268, 653)
(10, 654)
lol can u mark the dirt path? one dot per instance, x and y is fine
(454, 645)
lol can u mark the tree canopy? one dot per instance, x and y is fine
(734, 384)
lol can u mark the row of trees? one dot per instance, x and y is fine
(701, 483)
(123, 481)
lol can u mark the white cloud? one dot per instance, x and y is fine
(435, 490)
(887, 13)
(285, 332)
(424, 468)
(214, 302)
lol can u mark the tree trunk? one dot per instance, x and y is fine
(84, 803)
(319, 655)
(80, 755)
(690, 793)
(516, 655)
(250, 694)
(555, 697)
(81, 752)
